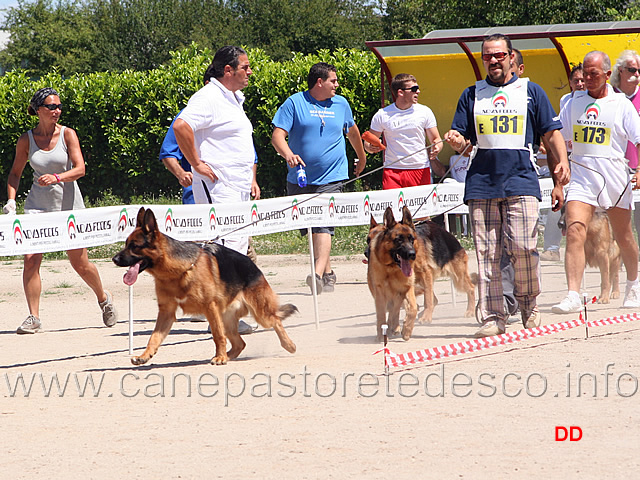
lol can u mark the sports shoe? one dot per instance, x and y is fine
(570, 304)
(31, 324)
(244, 328)
(490, 329)
(550, 255)
(251, 252)
(632, 297)
(318, 283)
(109, 314)
(531, 318)
(328, 282)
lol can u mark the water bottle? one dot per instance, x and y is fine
(302, 176)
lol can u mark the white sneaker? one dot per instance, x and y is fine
(632, 297)
(109, 314)
(570, 304)
(490, 329)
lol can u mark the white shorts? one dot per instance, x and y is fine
(206, 191)
(608, 186)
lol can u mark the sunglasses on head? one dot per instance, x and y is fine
(414, 89)
(498, 55)
(633, 70)
(52, 106)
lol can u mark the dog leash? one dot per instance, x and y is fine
(337, 186)
(604, 184)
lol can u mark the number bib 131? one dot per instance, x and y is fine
(500, 115)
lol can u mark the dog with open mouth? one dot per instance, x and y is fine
(208, 279)
(393, 248)
(421, 253)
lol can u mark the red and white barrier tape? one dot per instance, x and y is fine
(453, 349)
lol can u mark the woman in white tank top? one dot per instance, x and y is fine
(55, 156)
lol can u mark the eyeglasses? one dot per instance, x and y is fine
(414, 89)
(633, 70)
(52, 106)
(498, 55)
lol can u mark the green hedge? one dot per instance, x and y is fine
(121, 118)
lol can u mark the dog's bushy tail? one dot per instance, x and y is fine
(287, 310)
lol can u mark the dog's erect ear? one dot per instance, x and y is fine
(140, 217)
(389, 220)
(373, 223)
(150, 225)
(406, 217)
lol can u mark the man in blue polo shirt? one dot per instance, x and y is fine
(501, 116)
(316, 121)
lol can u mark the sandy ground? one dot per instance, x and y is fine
(324, 412)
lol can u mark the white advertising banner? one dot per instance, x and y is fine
(49, 232)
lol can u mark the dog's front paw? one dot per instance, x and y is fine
(615, 295)
(469, 313)
(406, 334)
(219, 360)
(139, 360)
(603, 300)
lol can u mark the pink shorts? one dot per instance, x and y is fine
(401, 178)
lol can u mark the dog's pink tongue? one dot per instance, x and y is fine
(132, 274)
(405, 266)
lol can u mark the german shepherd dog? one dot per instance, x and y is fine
(601, 251)
(212, 280)
(404, 261)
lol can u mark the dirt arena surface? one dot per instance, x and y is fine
(325, 412)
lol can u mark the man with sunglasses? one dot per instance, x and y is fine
(501, 116)
(406, 126)
(599, 122)
(216, 137)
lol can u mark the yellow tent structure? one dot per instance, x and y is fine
(445, 62)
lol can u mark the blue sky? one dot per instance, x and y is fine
(7, 3)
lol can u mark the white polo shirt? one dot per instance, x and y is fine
(222, 133)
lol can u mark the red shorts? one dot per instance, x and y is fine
(401, 178)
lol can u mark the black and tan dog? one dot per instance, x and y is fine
(404, 261)
(601, 251)
(213, 280)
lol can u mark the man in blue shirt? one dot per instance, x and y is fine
(175, 162)
(315, 122)
(501, 116)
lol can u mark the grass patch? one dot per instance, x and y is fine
(346, 241)
(63, 284)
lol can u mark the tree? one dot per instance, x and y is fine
(416, 18)
(281, 27)
(140, 34)
(45, 35)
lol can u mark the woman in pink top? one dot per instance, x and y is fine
(625, 77)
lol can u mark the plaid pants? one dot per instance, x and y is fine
(510, 224)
